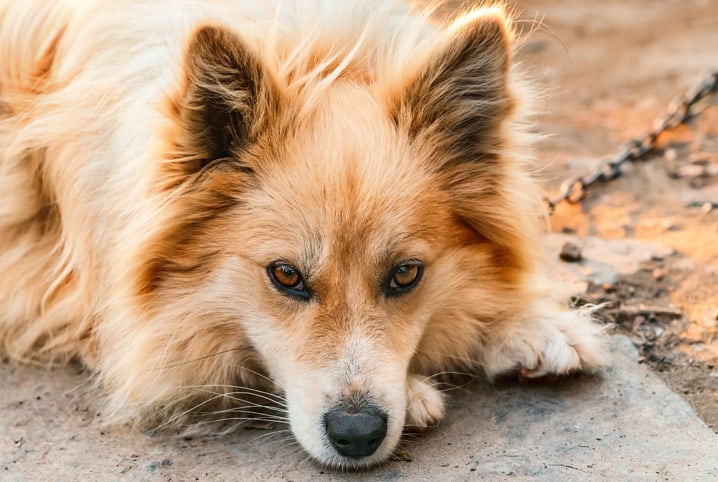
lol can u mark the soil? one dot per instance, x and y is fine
(607, 71)
(683, 352)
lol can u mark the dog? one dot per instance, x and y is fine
(212, 204)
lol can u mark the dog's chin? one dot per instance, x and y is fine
(316, 443)
(328, 457)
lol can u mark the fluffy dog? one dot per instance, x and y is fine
(318, 202)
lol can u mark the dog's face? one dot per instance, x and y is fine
(348, 243)
(342, 245)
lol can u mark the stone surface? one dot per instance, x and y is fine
(622, 424)
(602, 259)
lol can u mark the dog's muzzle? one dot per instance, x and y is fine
(355, 434)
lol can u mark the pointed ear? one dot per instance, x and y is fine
(226, 100)
(459, 98)
(454, 111)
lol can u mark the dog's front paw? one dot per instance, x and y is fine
(558, 344)
(424, 403)
(557, 356)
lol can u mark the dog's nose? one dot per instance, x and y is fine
(355, 435)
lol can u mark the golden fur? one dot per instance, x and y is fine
(157, 157)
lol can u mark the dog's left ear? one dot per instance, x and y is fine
(454, 110)
(459, 98)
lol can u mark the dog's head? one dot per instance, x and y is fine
(345, 238)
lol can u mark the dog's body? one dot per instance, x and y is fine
(204, 195)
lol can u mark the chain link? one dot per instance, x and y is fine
(679, 111)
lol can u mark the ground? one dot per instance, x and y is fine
(607, 71)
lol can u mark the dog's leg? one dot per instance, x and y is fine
(550, 341)
(424, 403)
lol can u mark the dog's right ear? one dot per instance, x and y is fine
(225, 102)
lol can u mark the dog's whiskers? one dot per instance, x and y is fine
(286, 433)
(255, 392)
(260, 375)
(249, 409)
(242, 419)
(183, 413)
(448, 374)
(248, 404)
(285, 440)
(242, 410)
(444, 384)
(219, 396)
(195, 360)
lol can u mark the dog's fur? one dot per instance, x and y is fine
(156, 157)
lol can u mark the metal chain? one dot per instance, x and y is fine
(679, 111)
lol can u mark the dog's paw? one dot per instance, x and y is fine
(556, 356)
(424, 403)
(558, 345)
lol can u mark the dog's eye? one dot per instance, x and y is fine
(404, 278)
(287, 279)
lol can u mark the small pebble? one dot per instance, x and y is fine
(669, 225)
(570, 252)
(702, 158)
(659, 274)
(637, 322)
(609, 287)
(697, 183)
(691, 171)
(710, 319)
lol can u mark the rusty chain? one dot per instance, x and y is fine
(679, 111)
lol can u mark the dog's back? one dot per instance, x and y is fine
(30, 237)
(76, 78)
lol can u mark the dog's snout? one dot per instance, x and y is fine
(355, 435)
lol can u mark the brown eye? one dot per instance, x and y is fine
(404, 275)
(286, 275)
(287, 279)
(404, 278)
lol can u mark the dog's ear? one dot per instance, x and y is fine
(225, 102)
(459, 97)
(455, 110)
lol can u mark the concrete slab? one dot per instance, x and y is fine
(624, 424)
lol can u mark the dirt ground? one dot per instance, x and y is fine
(607, 70)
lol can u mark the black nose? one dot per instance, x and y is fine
(355, 435)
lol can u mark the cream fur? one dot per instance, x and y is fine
(126, 245)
